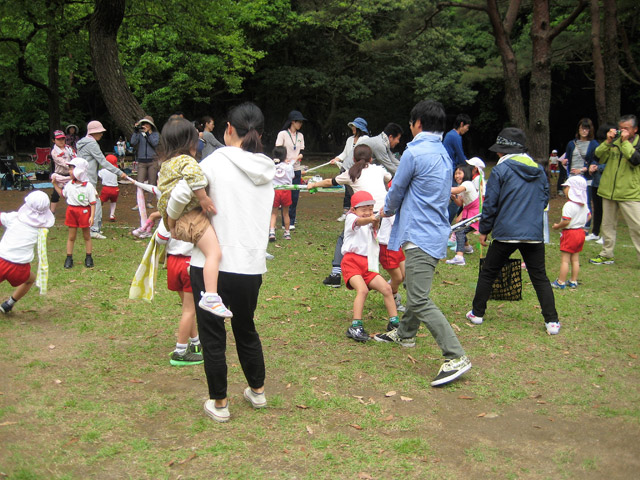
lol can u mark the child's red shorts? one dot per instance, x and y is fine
(282, 198)
(390, 259)
(109, 194)
(77, 217)
(14, 273)
(353, 264)
(572, 240)
(177, 273)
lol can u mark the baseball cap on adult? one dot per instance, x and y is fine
(59, 134)
(361, 199)
(510, 140)
(94, 126)
(360, 123)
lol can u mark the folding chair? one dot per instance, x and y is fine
(13, 176)
(42, 156)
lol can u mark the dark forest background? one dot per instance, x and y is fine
(539, 65)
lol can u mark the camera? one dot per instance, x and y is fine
(618, 132)
(137, 128)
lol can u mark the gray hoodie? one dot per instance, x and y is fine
(89, 149)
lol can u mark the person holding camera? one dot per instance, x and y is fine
(145, 139)
(619, 185)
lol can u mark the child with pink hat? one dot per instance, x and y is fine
(575, 214)
(81, 199)
(25, 229)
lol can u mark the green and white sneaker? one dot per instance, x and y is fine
(600, 260)
(187, 358)
(195, 349)
(450, 370)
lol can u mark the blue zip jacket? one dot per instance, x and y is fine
(517, 194)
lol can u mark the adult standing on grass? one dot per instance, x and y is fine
(291, 138)
(240, 185)
(419, 197)
(619, 185)
(513, 212)
(145, 139)
(453, 144)
(89, 149)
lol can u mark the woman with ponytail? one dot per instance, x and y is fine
(240, 185)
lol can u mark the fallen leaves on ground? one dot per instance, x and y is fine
(390, 393)
(406, 399)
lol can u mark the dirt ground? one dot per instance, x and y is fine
(528, 438)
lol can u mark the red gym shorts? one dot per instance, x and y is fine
(353, 264)
(77, 217)
(177, 273)
(109, 194)
(282, 198)
(14, 273)
(390, 259)
(572, 240)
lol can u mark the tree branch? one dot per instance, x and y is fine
(628, 55)
(511, 16)
(468, 6)
(629, 77)
(558, 29)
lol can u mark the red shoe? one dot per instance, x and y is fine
(112, 219)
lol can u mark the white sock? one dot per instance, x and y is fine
(195, 340)
(113, 209)
(181, 348)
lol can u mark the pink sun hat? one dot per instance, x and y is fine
(577, 189)
(35, 211)
(94, 126)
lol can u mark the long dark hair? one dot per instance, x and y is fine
(178, 137)
(248, 120)
(361, 158)
(585, 122)
(467, 172)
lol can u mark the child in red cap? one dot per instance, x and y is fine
(110, 189)
(359, 265)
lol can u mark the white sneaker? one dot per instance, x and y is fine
(591, 237)
(213, 303)
(258, 400)
(341, 218)
(553, 328)
(600, 241)
(468, 249)
(457, 260)
(473, 319)
(97, 235)
(218, 414)
(292, 227)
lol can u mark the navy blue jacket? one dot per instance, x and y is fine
(517, 194)
(590, 159)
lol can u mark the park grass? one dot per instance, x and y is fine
(88, 392)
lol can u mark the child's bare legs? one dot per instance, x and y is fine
(21, 290)
(187, 327)
(379, 284)
(575, 267)
(210, 247)
(286, 219)
(397, 276)
(71, 240)
(88, 245)
(274, 217)
(358, 284)
(564, 267)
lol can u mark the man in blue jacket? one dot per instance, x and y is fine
(418, 197)
(513, 209)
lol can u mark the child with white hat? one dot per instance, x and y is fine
(25, 229)
(575, 214)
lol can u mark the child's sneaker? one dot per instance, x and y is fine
(452, 240)
(474, 319)
(145, 234)
(258, 400)
(333, 280)
(399, 306)
(287, 235)
(558, 285)
(468, 249)
(112, 218)
(392, 325)
(195, 349)
(88, 261)
(357, 333)
(5, 307)
(213, 303)
(600, 260)
(137, 232)
(272, 236)
(457, 260)
(571, 284)
(68, 263)
(187, 358)
(553, 328)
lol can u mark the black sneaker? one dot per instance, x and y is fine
(450, 370)
(187, 358)
(68, 263)
(334, 280)
(5, 307)
(88, 261)
(392, 326)
(358, 334)
(195, 349)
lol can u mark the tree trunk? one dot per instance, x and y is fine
(612, 72)
(598, 64)
(103, 31)
(540, 83)
(53, 63)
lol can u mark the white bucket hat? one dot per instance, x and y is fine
(35, 212)
(577, 189)
(80, 167)
(476, 162)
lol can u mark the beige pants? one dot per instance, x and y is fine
(630, 212)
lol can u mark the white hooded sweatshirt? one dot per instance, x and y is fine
(240, 185)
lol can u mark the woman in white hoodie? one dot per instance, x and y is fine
(240, 185)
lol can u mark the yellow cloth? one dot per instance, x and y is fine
(144, 281)
(42, 275)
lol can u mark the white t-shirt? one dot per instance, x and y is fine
(18, 240)
(294, 143)
(470, 193)
(79, 194)
(358, 240)
(385, 230)
(373, 179)
(575, 213)
(284, 174)
(108, 179)
(476, 183)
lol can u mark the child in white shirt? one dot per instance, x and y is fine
(575, 214)
(81, 199)
(360, 262)
(22, 231)
(282, 198)
(110, 189)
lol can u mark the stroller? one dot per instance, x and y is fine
(13, 176)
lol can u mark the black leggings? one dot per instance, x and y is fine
(596, 218)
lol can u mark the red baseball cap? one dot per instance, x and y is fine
(361, 199)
